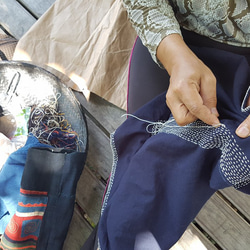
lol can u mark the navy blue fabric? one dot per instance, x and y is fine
(56, 171)
(10, 180)
(39, 167)
(161, 180)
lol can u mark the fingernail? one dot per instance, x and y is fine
(217, 125)
(243, 131)
(214, 111)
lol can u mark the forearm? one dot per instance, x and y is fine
(153, 20)
(172, 51)
(192, 89)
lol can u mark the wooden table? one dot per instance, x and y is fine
(224, 221)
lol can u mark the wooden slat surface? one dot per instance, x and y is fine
(78, 232)
(103, 119)
(89, 195)
(15, 19)
(224, 225)
(37, 7)
(99, 153)
(193, 239)
(240, 200)
(102, 111)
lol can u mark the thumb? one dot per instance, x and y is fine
(243, 130)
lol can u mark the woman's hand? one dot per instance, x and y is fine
(192, 90)
(243, 130)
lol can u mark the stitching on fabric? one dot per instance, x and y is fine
(234, 164)
(155, 125)
(208, 137)
(113, 171)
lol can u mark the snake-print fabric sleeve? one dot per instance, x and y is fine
(153, 20)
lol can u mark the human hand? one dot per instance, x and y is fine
(243, 130)
(192, 91)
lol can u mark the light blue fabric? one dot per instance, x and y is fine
(10, 179)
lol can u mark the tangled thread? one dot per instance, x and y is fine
(50, 127)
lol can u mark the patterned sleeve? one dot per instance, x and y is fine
(153, 20)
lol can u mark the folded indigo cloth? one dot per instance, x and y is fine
(163, 174)
(10, 180)
(45, 204)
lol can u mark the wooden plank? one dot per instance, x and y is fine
(240, 200)
(106, 114)
(89, 195)
(225, 226)
(78, 233)
(14, 18)
(193, 239)
(99, 158)
(37, 7)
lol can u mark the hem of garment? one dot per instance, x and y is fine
(113, 171)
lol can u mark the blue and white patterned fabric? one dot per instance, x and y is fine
(163, 173)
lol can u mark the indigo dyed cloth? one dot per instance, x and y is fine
(163, 174)
(45, 199)
(10, 180)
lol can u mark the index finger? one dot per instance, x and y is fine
(194, 103)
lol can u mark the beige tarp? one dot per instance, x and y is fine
(89, 41)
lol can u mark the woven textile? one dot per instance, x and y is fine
(24, 227)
